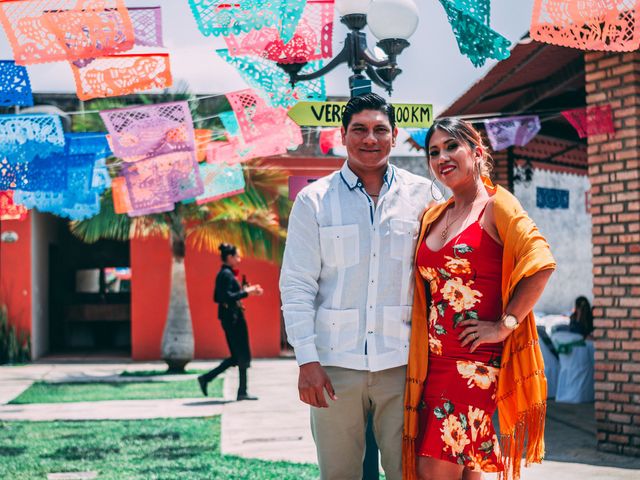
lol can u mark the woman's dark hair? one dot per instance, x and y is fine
(369, 101)
(227, 249)
(582, 317)
(464, 132)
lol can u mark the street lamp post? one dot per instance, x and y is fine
(392, 22)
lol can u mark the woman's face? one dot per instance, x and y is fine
(234, 260)
(453, 162)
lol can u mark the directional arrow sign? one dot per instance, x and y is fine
(329, 114)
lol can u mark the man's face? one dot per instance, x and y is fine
(369, 139)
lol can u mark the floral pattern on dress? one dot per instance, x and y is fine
(478, 374)
(468, 437)
(460, 296)
(465, 429)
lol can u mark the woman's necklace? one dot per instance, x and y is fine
(447, 223)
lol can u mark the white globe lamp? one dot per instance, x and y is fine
(393, 19)
(351, 7)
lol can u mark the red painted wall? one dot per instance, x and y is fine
(150, 283)
(151, 269)
(15, 273)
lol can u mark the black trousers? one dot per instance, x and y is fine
(237, 334)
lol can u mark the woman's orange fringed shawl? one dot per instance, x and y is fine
(522, 387)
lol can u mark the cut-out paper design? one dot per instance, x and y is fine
(161, 180)
(203, 139)
(590, 121)
(312, 39)
(266, 76)
(470, 23)
(10, 210)
(329, 139)
(40, 173)
(150, 130)
(15, 87)
(101, 179)
(122, 204)
(230, 123)
(552, 198)
(25, 136)
(87, 142)
(54, 30)
(222, 17)
(267, 131)
(122, 75)
(147, 26)
(61, 204)
(230, 152)
(506, 132)
(77, 201)
(220, 181)
(612, 25)
(249, 108)
(120, 195)
(419, 136)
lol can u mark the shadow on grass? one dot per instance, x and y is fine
(152, 436)
(13, 451)
(74, 453)
(178, 452)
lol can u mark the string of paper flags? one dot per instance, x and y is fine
(112, 50)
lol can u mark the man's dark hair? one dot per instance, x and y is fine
(369, 101)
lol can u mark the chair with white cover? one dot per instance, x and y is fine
(575, 380)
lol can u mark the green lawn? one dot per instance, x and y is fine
(160, 449)
(42, 392)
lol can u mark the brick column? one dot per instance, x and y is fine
(614, 78)
(500, 173)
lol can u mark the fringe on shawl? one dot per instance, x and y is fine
(409, 458)
(530, 429)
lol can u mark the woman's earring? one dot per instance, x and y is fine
(433, 181)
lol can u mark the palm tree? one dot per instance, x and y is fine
(249, 220)
(252, 220)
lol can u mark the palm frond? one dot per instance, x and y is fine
(266, 181)
(254, 230)
(106, 225)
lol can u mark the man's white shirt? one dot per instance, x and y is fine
(347, 274)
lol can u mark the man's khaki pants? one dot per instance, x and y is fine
(339, 431)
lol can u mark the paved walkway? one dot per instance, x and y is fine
(276, 427)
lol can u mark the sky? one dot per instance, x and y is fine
(434, 71)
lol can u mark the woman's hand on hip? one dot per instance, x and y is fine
(477, 332)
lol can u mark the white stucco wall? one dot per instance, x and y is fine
(43, 232)
(568, 232)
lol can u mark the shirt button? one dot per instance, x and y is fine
(370, 332)
(373, 281)
(370, 306)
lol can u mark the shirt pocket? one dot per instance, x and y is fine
(337, 330)
(340, 245)
(403, 235)
(396, 326)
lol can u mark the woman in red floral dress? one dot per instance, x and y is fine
(461, 261)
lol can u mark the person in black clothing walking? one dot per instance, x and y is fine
(228, 295)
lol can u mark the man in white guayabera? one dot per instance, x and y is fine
(347, 289)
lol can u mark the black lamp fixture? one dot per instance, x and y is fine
(392, 22)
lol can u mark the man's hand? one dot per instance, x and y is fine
(312, 381)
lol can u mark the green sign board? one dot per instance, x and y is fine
(329, 114)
